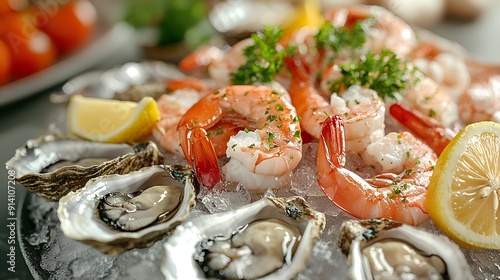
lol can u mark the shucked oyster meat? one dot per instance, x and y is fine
(134, 211)
(268, 239)
(53, 165)
(115, 213)
(385, 249)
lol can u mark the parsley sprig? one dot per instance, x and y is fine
(264, 58)
(385, 73)
(342, 37)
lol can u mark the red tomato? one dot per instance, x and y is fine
(30, 49)
(5, 63)
(70, 25)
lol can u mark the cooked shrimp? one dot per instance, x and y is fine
(388, 32)
(269, 146)
(433, 133)
(447, 68)
(184, 93)
(398, 194)
(362, 110)
(475, 85)
(481, 102)
(429, 98)
(219, 63)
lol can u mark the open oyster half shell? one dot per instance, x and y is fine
(53, 165)
(395, 245)
(82, 220)
(257, 245)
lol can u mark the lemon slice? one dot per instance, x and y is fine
(464, 192)
(112, 121)
(307, 14)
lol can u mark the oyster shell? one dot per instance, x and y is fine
(53, 165)
(390, 249)
(270, 238)
(144, 223)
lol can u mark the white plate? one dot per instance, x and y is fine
(104, 43)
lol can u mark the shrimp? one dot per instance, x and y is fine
(270, 146)
(473, 85)
(447, 68)
(481, 102)
(220, 63)
(429, 98)
(433, 133)
(184, 93)
(389, 31)
(362, 109)
(398, 194)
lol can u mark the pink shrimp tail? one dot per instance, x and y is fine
(426, 128)
(331, 154)
(201, 155)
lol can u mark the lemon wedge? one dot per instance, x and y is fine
(464, 192)
(307, 14)
(112, 121)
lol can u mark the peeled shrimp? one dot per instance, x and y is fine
(397, 194)
(481, 102)
(362, 109)
(429, 98)
(183, 94)
(389, 31)
(219, 62)
(475, 85)
(269, 147)
(446, 68)
(432, 132)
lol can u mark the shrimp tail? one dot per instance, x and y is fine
(201, 155)
(332, 142)
(426, 128)
(200, 58)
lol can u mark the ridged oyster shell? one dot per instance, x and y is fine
(33, 163)
(355, 235)
(180, 249)
(79, 218)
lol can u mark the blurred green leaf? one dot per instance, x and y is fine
(143, 13)
(178, 17)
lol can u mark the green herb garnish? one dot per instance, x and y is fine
(342, 37)
(385, 73)
(264, 58)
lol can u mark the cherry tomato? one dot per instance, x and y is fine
(5, 63)
(70, 25)
(31, 50)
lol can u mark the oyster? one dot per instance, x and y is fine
(386, 249)
(115, 213)
(53, 165)
(270, 239)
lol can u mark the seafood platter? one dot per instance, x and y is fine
(294, 153)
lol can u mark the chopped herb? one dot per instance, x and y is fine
(251, 146)
(279, 107)
(245, 130)
(432, 113)
(264, 58)
(271, 118)
(296, 134)
(270, 136)
(385, 73)
(343, 38)
(234, 146)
